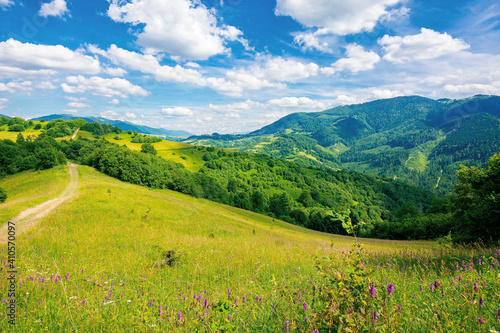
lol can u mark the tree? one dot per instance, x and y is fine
(148, 148)
(3, 195)
(16, 128)
(477, 203)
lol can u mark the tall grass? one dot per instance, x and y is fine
(122, 258)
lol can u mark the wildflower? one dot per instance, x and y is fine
(431, 286)
(287, 326)
(83, 302)
(305, 306)
(479, 320)
(228, 317)
(475, 286)
(399, 307)
(390, 288)
(372, 290)
(228, 292)
(481, 302)
(374, 316)
(498, 313)
(437, 284)
(244, 299)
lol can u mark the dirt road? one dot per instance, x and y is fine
(30, 217)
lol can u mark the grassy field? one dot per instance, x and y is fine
(123, 258)
(188, 155)
(5, 134)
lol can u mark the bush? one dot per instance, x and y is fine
(16, 128)
(3, 195)
(38, 126)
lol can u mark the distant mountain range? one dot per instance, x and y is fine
(419, 140)
(124, 125)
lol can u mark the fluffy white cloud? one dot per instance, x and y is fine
(114, 101)
(387, 93)
(235, 107)
(474, 88)
(115, 71)
(46, 85)
(103, 87)
(428, 44)
(271, 73)
(130, 115)
(15, 86)
(26, 59)
(78, 105)
(110, 114)
(310, 41)
(178, 111)
(54, 8)
(182, 28)
(6, 3)
(3, 103)
(338, 16)
(148, 64)
(297, 102)
(358, 60)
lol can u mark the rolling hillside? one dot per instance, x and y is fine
(124, 125)
(410, 138)
(121, 257)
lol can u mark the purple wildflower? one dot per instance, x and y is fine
(481, 302)
(390, 288)
(305, 306)
(287, 326)
(479, 320)
(372, 290)
(475, 286)
(399, 307)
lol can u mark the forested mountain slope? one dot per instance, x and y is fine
(418, 140)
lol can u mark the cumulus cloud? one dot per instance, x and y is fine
(28, 59)
(178, 111)
(265, 73)
(310, 41)
(46, 85)
(474, 88)
(115, 71)
(3, 103)
(114, 101)
(103, 87)
(130, 115)
(235, 107)
(271, 73)
(297, 102)
(338, 16)
(183, 28)
(428, 44)
(6, 3)
(54, 8)
(15, 86)
(78, 105)
(358, 60)
(110, 114)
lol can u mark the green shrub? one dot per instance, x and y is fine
(16, 128)
(3, 195)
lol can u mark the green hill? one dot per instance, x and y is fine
(403, 137)
(119, 257)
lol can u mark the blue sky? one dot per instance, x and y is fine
(232, 66)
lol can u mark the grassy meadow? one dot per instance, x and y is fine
(123, 258)
(188, 155)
